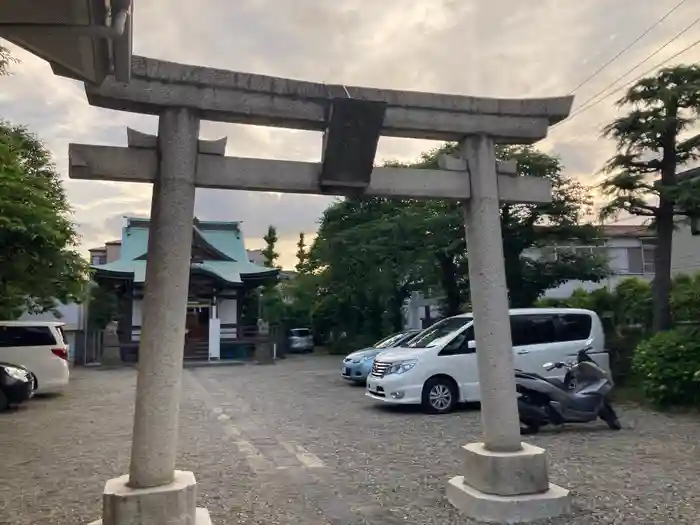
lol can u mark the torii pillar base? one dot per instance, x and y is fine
(172, 504)
(506, 487)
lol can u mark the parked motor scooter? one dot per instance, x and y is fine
(581, 397)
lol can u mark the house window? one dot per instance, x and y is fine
(99, 259)
(648, 254)
(640, 260)
(635, 261)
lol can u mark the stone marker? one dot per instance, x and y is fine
(264, 354)
(111, 347)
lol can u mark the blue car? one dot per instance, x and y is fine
(357, 366)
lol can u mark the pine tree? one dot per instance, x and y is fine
(302, 254)
(269, 252)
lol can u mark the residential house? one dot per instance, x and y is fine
(685, 253)
(629, 250)
(221, 277)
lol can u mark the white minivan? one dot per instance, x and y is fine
(437, 368)
(40, 347)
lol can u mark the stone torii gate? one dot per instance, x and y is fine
(502, 479)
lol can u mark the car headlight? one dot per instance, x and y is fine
(401, 366)
(16, 373)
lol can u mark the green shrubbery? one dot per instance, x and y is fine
(667, 366)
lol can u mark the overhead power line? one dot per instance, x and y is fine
(658, 50)
(590, 104)
(645, 33)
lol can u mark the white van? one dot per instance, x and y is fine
(40, 347)
(437, 368)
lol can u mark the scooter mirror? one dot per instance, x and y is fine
(548, 365)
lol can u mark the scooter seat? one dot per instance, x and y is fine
(552, 381)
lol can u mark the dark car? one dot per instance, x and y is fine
(16, 385)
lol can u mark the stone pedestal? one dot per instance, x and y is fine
(171, 504)
(111, 353)
(506, 487)
(111, 357)
(264, 354)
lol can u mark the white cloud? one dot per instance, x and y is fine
(509, 48)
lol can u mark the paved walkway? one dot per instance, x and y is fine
(293, 444)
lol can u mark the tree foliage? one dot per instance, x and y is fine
(269, 252)
(524, 226)
(668, 367)
(6, 59)
(371, 253)
(653, 140)
(302, 254)
(39, 263)
(103, 307)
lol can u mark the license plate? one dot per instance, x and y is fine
(346, 371)
(371, 388)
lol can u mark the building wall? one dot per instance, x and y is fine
(73, 315)
(685, 255)
(627, 257)
(113, 252)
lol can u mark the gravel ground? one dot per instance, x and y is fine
(293, 444)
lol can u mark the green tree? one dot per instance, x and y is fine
(39, 263)
(103, 307)
(652, 142)
(302, 254)
(371, 253)
(6, 59)
(269, 252)
(525, 226)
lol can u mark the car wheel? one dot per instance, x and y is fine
(35, 384)
(439, 395)
(4, 403)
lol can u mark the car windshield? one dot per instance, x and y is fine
(441, 329)
(300, 332)
(390, 341)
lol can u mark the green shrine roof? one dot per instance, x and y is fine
(218, 250)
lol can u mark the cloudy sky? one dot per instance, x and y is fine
(503, 48)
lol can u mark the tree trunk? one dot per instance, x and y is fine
(517, 292)
(661, 285)
(450, 285)
(395, 309)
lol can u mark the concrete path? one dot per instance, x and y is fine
(293, 444)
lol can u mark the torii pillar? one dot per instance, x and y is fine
(503, 480)
(154, 492)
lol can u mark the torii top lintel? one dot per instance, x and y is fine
(230, 96)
